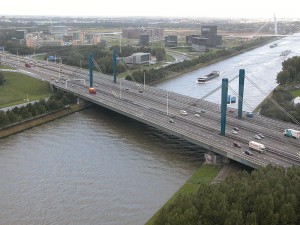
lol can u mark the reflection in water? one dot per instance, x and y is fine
(92, 167)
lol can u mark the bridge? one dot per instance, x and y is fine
(162, 109)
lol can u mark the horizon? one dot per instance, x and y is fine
(231, 9)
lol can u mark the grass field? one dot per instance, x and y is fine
(17, 86)
(204, 175)
(296, 93)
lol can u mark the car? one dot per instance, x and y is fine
(231, 110)
(234, 132)
(236, 144)
(197, 115)
(248, 152)
(183, 112)
(171, 120)
(127, 89)
(260, 135)
(202, 111)
(172, 116)
(140, 90)
(236, 128)
(257, 137)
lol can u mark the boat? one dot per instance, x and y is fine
(273, 45)
(285, 53)
(208, 77)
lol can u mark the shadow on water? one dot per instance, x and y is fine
(149, 136)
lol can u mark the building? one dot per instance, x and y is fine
(171, 41)
(207, 39)
(144, 39)
(197, 42)
(21, 34)
(30, 41)
(135, 33)
(137, 59)
(210, 32)
(41, 43)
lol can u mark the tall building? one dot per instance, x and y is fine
(144, 39)
(21, 34)
(210, 32)
(171, 41)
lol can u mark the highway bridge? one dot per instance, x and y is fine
(161, 109)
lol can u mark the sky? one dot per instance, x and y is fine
(154, 8)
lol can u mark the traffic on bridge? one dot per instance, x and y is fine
(192, 119)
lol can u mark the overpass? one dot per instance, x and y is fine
(161, 109)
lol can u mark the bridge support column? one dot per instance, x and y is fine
(91, 59)
(224, 105)
(241, 92)
(115, 65)
(215, 159)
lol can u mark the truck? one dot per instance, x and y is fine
(27, 65)
(257, 146)
(92, 90)
(292, 133)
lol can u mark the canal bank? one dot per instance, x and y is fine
(33, 122)
(219, 59)
(204, 175)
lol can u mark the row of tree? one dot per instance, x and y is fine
(284, 99)
(57, 101)
(290, 73)
(267, 196)
(288, 76)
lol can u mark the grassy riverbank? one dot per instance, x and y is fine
(18, 88)
(204, 175)
(19, 127)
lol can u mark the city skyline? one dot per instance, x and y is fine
(154, 8)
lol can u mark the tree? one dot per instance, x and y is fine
(1, 78)
(3, 119)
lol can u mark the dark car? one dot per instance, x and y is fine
(236, 128)
(236, 144)
(248, 152)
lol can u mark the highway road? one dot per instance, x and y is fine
(161, 109)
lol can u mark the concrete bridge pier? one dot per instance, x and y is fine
(215, 159)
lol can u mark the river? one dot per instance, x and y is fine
(261, 67)
(97, 167)
(91, 167)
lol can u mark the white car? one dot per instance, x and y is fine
(197, 115)
(234, 132)
(183, 112)
(257, 137)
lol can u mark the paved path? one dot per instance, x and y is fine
(225, 171)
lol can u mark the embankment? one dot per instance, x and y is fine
(33, 122)
(204, 175)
